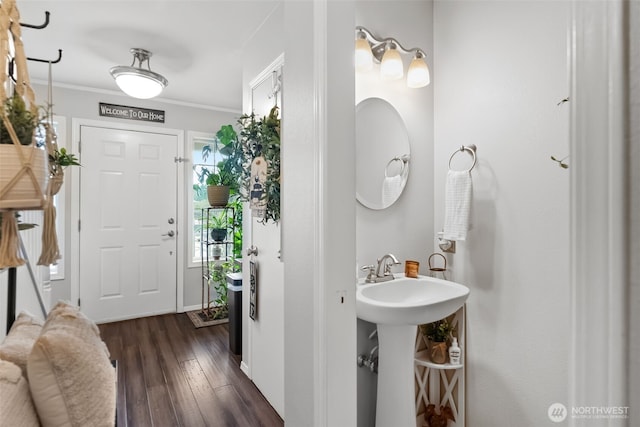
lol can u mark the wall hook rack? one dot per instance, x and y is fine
(38, 27)
(11, 65)
(48, 61)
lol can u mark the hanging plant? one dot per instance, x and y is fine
(22, 119)
(261, 138)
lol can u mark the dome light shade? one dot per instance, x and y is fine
(136, 81)
(391, 67)
(364, 57)
(418, 74)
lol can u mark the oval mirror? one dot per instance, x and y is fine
(382, 153)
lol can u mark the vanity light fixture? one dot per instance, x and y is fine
(391, 67)
(418, 74)
(364, 57)
(138, 82)
(386, 52)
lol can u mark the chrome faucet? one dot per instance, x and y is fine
(373, 273)
(382, 262)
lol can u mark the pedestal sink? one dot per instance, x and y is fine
(397, 307)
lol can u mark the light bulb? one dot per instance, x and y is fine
(391, 67)
(418, 74)
(364, 57)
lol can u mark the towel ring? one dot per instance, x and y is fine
(404, 159)
(470, 148)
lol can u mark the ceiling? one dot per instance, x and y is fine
(196, 45)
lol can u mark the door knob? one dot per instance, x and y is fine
(170, 220)
(171, 233)
(252, 251)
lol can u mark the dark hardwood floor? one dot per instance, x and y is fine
(171, 374)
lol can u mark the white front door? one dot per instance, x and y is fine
(127, 223)
(266, 333)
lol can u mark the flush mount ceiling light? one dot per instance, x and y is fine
(138, 82)
(386, 52)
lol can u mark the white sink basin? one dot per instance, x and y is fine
(397, 307)
(408, 301)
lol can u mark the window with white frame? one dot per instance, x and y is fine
(198, 198)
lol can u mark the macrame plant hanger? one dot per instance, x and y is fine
(50, 249)
(28, 188)
(25, 189)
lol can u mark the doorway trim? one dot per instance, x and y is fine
(599, 194)
(76, 124)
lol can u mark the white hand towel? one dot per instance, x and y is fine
(457, 205)
(391, 189)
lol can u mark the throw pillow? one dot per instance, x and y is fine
(17, 344)
(71, 377)
(16, 405)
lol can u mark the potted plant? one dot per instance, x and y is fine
(218, 186)
(20, 194)
(60, 159)
(218, 227)
(216, 252)
(226, 175)
(23, 121)
(218, 280)
(438, 334)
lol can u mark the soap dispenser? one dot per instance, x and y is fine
(454, 352)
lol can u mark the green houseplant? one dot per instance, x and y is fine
(260, 137)
(21, 161)
(59, 159)
(218, 280)
(225, 176)
(218, 227)
(23, 121)
(438, 334)
(23, 177)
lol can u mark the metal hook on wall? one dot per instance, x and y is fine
(12, 63)
(276, 86)
(38, 27)
(49, 61)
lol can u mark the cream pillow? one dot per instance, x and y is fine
(64, 316)
(71, 377)
(16, 405)
(18, 342)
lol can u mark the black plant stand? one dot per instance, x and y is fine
(12, 291)
(11, 296)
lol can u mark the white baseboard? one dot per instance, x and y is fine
(191, 308)
(245, 368)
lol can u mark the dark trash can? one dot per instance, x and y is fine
(234, 300)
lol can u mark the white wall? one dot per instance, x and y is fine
(318, 216)
(501, 68)
(406, 228)
(73, 103)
